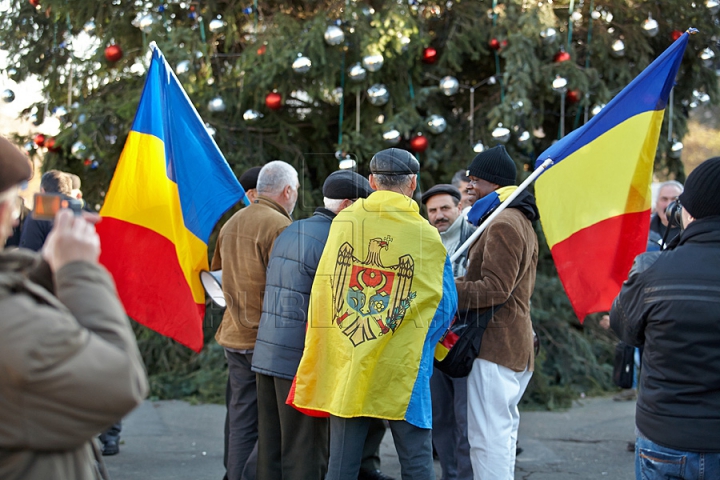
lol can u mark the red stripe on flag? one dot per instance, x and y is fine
(149, 281)
(593, 282)
(449, 340)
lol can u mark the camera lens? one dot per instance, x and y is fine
(674, 214)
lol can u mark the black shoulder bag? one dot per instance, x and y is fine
(463, 339)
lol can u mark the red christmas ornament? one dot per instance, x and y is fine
(113, 53)
(429, 55)
(273, 101)
(418, 143)
(261, 50)
(561, 56)
(494, 44)
(676, 34)
(87, 162)
(34, 3)
(39, 140)
(50, 145)
(573, 96)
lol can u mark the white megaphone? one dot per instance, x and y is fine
(212, 283)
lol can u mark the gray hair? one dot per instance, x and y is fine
(460, 176)
(387, 182)
(672, 183)
(275, 176)
(333, 204)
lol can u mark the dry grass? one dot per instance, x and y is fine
(703, 140)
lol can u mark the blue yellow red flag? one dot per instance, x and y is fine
(382, 297)
(169, 189)
(595, 200)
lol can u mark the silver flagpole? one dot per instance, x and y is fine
(500, 208)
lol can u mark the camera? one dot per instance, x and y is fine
(48, 204)
(673, 212)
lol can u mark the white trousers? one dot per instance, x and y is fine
(493, 394)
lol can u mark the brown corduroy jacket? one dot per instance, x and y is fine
(243, 252)
(501, 268)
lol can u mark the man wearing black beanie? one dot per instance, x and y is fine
(500, 275)
(670, 303)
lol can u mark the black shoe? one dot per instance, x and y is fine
(518, 451)
(373, 475)
(110, 447)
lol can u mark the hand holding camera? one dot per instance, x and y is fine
(73, 238)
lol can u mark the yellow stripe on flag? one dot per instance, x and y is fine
(607, 177)
(151, 200)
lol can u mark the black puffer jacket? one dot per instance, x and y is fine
(671, 304)
(290, 275)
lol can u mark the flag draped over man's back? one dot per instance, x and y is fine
(170, 187)
(595, 201)
(383, 295)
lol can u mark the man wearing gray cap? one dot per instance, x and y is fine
(69, 363)
(382, 297)
(292, 445)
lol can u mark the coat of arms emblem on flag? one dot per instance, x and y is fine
(371, 299)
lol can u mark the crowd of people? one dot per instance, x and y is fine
(302, 295)
(332, 321)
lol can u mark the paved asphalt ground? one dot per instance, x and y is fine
(175, 440)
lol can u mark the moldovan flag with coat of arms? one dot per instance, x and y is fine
(595, 200)
(382, 297)
(170, 187)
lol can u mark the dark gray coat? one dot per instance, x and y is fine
(290, 274)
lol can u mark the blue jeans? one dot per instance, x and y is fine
(655, 462)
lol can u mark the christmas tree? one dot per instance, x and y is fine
(326, 84)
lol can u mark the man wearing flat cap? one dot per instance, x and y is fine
(290, 443)
(248, 180)
(69, 363)
(670, 303)
(500, 276)
(382, 297)
(449, 395)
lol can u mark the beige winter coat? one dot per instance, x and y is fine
(69, 367)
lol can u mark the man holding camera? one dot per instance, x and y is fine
(69, 363)
(35, 231)
(670, 303)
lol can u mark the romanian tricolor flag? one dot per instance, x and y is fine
(595, 200)
(170, 187)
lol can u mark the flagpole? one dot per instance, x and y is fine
(500, 208)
